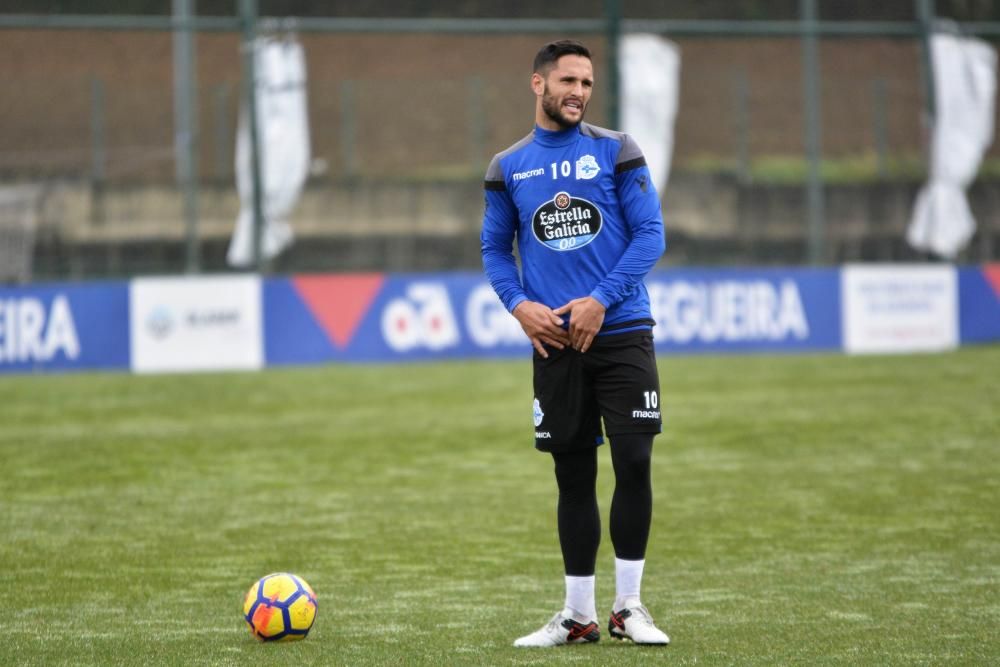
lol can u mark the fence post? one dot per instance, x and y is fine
(477, 120)
(813, 140)
(881, 122)
(223, 155)
(98, 149)
(348, 129)
(186, 126)
(925, 19)
(98, 138)
(613, 20)
(741, 106)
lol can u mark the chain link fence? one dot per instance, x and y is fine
(403, 124)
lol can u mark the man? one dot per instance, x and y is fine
(580, 203)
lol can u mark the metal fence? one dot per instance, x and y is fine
(800, 141)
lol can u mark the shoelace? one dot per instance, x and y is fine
(646, 616)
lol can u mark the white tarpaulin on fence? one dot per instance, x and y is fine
(964, 94)
(650, 70)
(283, 138)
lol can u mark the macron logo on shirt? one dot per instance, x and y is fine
(521, 175)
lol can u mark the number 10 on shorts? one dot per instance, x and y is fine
(652, 400)
(652, 409)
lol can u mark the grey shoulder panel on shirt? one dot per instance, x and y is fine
(494, 172)
(521, 143)
(595, 132)
(629, 154)
(494, 175)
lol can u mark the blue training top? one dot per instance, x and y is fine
(587, 220)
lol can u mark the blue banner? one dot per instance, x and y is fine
(382, 317)
(742, 310)
(322, 318)
(979, 304)
(64, 326)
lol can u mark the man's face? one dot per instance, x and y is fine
(564, 92)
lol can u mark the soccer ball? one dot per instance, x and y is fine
(280, 607)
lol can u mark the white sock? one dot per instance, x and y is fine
(580, 598)
(628, 578)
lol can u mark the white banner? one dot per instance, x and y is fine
(898, 308)
(964, 93)
(196, 324)
(283, 138)
(650, 72)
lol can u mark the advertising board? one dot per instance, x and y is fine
(899, 308)
(64, 327)
(196, 323)
(383, 317)
(979, 303)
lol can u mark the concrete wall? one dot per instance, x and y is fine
(369, 225)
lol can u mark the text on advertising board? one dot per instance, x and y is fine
(29, 332)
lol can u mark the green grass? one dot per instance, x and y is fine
(808, 510)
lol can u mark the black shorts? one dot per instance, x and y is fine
(615, 379)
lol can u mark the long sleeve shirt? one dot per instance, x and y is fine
(586, 217)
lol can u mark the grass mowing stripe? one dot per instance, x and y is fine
(808, 509)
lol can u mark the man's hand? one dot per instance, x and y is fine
(541, 325)
(586, 315)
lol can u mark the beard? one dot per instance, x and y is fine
(553, 109)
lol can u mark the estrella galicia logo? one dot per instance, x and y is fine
(539, 415)
(566, 223)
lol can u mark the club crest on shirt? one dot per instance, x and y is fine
(566, 222)
(587, 167)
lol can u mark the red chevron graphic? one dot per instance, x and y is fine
(992, 274)
(339, 302)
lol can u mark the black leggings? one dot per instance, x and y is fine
(631, 506)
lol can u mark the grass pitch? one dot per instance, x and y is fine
(808, 510)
